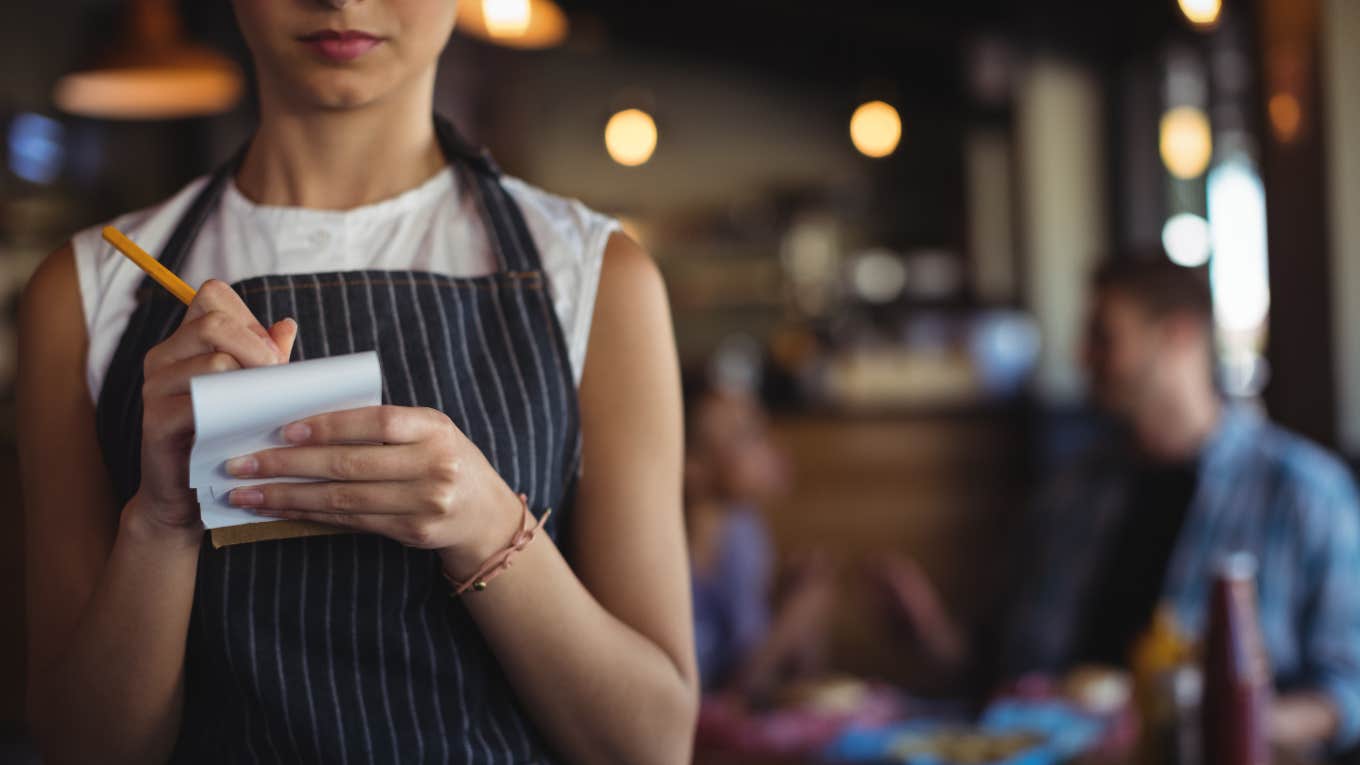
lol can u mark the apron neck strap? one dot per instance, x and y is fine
(460, 151)
(502, 217)
(507, 232)
(186, 231)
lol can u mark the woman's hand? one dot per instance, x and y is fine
(218, 334)
(407, 473)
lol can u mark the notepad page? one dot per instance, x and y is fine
(241, 412)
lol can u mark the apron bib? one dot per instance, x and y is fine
(348, 648)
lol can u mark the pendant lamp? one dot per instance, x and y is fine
(152, 73)
(525, 24)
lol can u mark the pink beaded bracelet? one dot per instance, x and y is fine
(501, 560)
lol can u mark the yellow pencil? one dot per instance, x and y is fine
(163, 276)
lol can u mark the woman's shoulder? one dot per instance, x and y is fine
(98, 264)
(571, 239)
(561, 225)
(107, 282)
(150, 227)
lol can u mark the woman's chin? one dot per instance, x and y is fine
(340, 91)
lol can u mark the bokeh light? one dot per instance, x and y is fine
(631, 137)
(1186, 142)
(1202, 13)
(1239, 273)
(876, 129)
(36, 148)
(1186, 240)
(878, 276)
(146, 92)
(1286, 116)
(507, 18)
(521, 24)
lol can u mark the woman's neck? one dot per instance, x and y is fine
(339, 159)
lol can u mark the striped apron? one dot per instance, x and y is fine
(348, 649)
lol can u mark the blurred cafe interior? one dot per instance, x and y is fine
(887, 231)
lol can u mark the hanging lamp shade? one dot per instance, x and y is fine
(152, 73)
(525, 24)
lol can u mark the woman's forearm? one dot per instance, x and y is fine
(599, 690)
(115, 692)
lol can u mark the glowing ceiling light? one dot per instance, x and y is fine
(1186, 240)
(876, 129)
(149, 93)
(631, 137)
(1202, 13)
(507, 18)
(1186, 142)
(152, 73)
(513, 23)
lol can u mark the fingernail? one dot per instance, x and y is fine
(247, 497)
(297, 432)
(243, 466)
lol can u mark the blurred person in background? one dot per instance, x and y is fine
(733, 471)
(521, 336)
(1142, 519)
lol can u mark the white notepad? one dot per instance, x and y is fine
(241, 412)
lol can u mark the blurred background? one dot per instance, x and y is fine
(878, 217)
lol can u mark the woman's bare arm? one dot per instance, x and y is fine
(604, 658)
(108, 605)
(109, 594)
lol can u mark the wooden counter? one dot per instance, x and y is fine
(943, 488)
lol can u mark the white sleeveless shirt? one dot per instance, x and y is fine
(434, 227)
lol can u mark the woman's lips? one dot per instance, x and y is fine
(340, 46)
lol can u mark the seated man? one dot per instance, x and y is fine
(1143, 519)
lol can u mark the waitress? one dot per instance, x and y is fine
(528, 364)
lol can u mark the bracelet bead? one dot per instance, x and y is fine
(499, 562)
